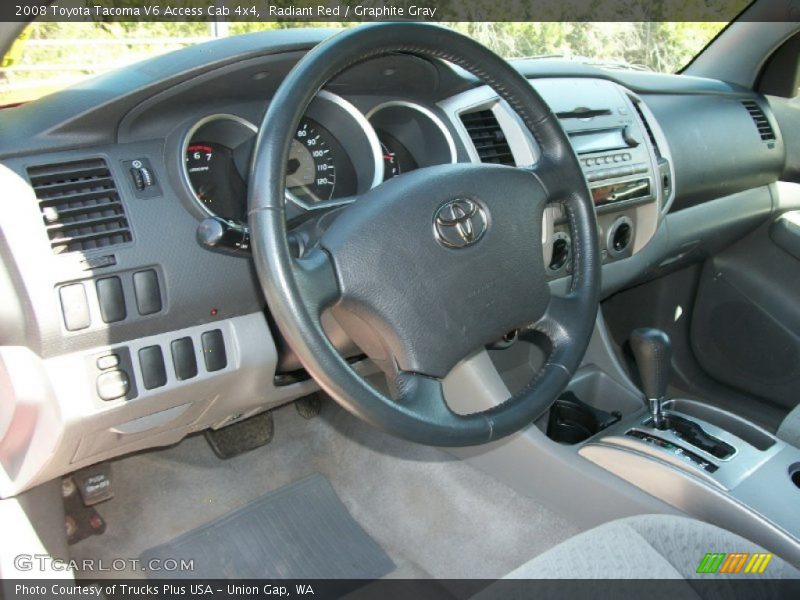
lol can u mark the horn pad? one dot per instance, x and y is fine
(436, 263)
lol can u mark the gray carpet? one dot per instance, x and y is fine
(301, 531)
(433, 515)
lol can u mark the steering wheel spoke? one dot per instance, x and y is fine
(316, 279)
(554, 323)
(422, 394)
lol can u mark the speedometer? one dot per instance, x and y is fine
(318, 169)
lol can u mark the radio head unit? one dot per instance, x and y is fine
(601, 122)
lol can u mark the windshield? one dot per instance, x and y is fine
(51, 56)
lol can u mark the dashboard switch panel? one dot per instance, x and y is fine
(74, 307)
(183, 358)
(147, 291)
(111, 299)
(214, 350)
(154, 372)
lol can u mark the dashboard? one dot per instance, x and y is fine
(131, 315)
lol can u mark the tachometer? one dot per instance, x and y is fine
(216, 181)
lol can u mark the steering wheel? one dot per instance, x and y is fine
(431, 266)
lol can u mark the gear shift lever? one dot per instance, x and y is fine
(653, 353)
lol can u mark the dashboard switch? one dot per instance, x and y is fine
(183, 358)
(151, 361)
(142, 177)
(74, 306)
(109, 361)
(112, 299)
(147, 291)
(112, 385)
(214, 350)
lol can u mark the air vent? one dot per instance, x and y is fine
(488, 137)
(760, 119)
(80, 205)
(649, 131)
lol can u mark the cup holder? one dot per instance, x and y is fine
(572, 421)
(794, 474)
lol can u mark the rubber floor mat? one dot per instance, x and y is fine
(300, 531)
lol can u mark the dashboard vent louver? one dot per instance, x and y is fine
(80, 205)
(647, 128)
(488, 137)
(760, 119)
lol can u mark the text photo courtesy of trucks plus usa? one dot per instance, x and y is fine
(458, 299)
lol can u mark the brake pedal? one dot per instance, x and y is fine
(235, 439)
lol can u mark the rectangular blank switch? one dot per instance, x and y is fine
(111, 298)
(148, 294)
(183, 358)
(151, 361)
(74, 306)
(214, 350)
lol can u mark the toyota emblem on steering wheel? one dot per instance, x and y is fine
(459, 223)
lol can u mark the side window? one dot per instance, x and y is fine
(781, 73)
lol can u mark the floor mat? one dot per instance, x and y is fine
(300, 531)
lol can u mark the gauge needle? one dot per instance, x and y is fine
(292, 166)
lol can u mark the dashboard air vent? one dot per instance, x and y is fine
(760, 119)
(488, 137)
(80, 205)
(647, 128)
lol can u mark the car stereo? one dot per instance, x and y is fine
(607, 132)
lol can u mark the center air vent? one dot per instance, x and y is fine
(760, 119)
(80, 205)
(488, 138)
(647, 128)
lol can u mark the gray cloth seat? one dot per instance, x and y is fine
(633, 556)
(789, 431)
(644, 547)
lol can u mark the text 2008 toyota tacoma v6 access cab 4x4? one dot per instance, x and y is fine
(530, 318)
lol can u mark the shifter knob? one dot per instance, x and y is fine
(653, 353)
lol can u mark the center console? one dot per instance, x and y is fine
(600, 452)
(700, 459)
(737, 475)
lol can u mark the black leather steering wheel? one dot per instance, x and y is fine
(433, 265)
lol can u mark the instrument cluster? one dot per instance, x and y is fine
(337, 153)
